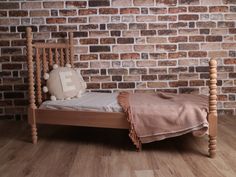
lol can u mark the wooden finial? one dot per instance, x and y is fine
(212, 117)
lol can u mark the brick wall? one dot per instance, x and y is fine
(141, 45)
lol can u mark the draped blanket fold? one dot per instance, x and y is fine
(156, 116)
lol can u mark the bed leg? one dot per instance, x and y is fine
(212, 119)
(34, 133)
(212, 146)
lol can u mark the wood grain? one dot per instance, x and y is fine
(65, 151)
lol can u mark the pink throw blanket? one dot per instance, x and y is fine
(156, 116)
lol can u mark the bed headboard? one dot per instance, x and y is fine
(41, 57)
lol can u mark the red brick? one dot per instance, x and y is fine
(178, 39)
(88, 27)
(109, 56)
(124, 85)
(157, 25)
(68, 12)
(13, 95)
(76, 4)
(148, 18)
(47, 28)
(127, 56)
(89, 41)
(229, 45)
(166, 47)
(95, 3)
(156, 10)
(178, 25)
(146, 63)
(53, 4)
(136, 26)
(175, 10)
(167, 32)
(4, 58)
(189, 46)
(143, 2)
(177, 55)
(88, 57)
(31, 5)
(3, 13)
(149, 77)
(225, 24)
(93, 85)
(4, 43)
(218, 9)
(18, 13)
(77, 20)
(189, 90)
(107, 41)
(197, 83)
(232, 75)
(232, 31)
(137, 71)
(167, 18)
(197, 9)
(166, 2)
(68, 28)
(109, 85)
(39, 13)
(167, 77)
(196, 38)
(148, 32)
(167, 63)
(87, 11)
(157, 85)
(229, 61)
(188, 17)
(129, 11)
(11, 51)
(198, 54)
(178, 83)
(108, 11)
(214, 38)
(189, 2)
(117, 26)
(118, 71)
(55, 20)
(100, 49)
(228, 89)
(9, 5)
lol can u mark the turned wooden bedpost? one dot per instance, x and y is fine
(212, 116)
(71, 49)
(32, 106)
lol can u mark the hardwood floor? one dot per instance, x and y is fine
(64, 151)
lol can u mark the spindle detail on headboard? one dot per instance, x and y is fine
(45, 55)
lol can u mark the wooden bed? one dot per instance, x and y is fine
(61, 53)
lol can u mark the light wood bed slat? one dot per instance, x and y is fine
(62, 57)
(38, 78)
(56, 56)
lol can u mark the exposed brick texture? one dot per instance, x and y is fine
(133, 45)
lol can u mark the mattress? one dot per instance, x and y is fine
(89, 101)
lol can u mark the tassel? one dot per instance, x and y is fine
(123, 99)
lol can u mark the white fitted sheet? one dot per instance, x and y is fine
(89, 101)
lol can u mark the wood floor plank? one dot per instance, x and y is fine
(64, 151)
